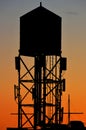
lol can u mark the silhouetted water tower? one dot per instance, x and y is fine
(40, 83)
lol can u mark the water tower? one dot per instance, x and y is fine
(40, 65)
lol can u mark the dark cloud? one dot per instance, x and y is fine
(71, 13)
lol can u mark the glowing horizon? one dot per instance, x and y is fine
(73, 47)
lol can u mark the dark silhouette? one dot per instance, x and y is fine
(40, 38)
(76, 124)
(40, 33)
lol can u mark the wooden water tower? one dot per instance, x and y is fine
(40, 65)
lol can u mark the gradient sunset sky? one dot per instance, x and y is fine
(73, 13)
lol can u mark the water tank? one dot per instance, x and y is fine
(40, 33)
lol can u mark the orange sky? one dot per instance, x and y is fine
(73, 15)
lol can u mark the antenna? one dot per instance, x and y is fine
(68, 108)
(40, 4)
(15, 92)
(69, 112)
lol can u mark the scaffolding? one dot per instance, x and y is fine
(44, 85)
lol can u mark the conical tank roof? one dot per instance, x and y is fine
(40, 33)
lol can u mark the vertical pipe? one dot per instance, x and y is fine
(44, 90)
(36, 92)
(60, 91)
(56, 91)
(50, 95)
(52, 63)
